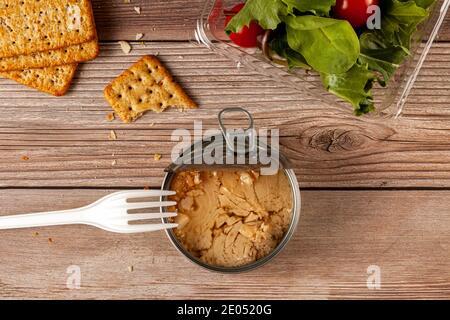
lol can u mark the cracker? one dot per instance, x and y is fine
(147, 85)
(29, 26)
(52, 80)
(72, 54)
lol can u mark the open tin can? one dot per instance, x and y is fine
(245, 147)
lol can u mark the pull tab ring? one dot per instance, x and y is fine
(230, 135)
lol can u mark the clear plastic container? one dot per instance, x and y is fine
(389, 101)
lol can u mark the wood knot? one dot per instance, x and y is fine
(324, 138)
(335, 140)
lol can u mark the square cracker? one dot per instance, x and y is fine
(147, 85)
(76, 53)
(29, 26)
(52, 80)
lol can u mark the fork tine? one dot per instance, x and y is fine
(120, 196)
(145, 227)
(145, 205)
(132, 194)
(147, 216)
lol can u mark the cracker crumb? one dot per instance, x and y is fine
(25, 158)
(50, 240)
(112, 135)
(130, 268)
(157, 156)
(126, 1)
(139, 36)
(151, 124)
(125, 46)
(35, 234)
(114, 162)
(110, 116)
(138, 10)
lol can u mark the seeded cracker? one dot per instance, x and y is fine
(72, 54)
(147, 85)
(29, 26)
(52, 80)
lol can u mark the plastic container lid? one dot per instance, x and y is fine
(389, 101)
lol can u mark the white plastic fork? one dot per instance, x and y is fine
(110, 213)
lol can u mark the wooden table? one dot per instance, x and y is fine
(374, 192)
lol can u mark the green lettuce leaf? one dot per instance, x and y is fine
(328, 45)
(379, 57)
(317, 7)
(294, 59)
(354, 86)
(425, 3)
(406, 12)
(267, 13)
(401, 14)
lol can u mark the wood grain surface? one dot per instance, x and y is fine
(67, 139)
(405, 233)
(375, 191)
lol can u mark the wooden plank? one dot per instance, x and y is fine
(66, 139)
(161, 19)
(341, 233)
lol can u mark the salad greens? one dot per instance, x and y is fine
(293, 58)
(317, 7)
(349, 61)
(328, 45)
(268, 14)
(354, 85)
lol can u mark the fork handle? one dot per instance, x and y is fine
(43, 219)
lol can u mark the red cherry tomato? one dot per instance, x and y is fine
(248, 36)
(354, 11)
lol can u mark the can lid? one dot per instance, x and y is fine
(240, 148)
(248, 139)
